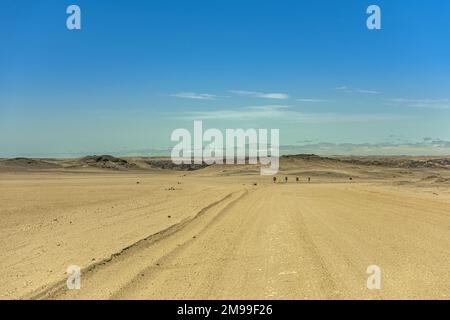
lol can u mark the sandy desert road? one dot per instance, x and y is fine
(285, 242)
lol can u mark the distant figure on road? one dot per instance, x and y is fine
(309, 179)
(285, 179)
(297, 179)
(274, 179)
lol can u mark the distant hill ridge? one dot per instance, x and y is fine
(111, 162)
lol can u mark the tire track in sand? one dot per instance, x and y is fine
(96, 278)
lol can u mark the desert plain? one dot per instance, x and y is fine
(142, 228)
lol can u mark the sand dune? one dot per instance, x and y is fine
(224, 231)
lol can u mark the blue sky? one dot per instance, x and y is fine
(137, 70)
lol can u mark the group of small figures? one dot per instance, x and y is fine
(297, 179)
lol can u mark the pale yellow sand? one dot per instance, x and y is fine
(225, 237)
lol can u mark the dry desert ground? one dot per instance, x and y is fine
(142, 229)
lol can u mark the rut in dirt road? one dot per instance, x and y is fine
(289, 242)
(181, 233)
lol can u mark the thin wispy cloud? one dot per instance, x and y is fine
(286, 114)
(355, 90)
(311, 100)
(269, 108)
(262, 95)
(435, 147)
(196, 96)
(245, 113)
(441, 104)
